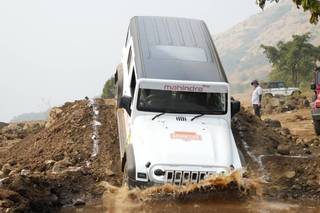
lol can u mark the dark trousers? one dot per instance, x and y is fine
(257, 110)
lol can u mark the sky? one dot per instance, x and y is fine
(53, 51)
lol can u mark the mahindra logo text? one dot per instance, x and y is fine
(183, 88)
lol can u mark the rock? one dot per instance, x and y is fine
(300, 117)
(296, 187)
(272, 123)
(275, 102)
(308, 152)
(6, 169)
(25, 172)
(49, 162)
(6, 203)
(53, 115)
(109, 172)
(268, 109)
(61, 166)
(299, 141)
(79, 202)
(290, 174)
(14, 172)
(283, 149)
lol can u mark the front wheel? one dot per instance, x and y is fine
(316, 124)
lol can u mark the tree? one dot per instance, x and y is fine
(293, 61)
(308, 5)
(109, 88)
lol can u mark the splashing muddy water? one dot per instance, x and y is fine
(219, 188)
(216, 194)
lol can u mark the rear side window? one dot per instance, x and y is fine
(281, 85)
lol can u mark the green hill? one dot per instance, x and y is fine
(239, 47)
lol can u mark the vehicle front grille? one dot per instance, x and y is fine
(184, 177)
(180, 118)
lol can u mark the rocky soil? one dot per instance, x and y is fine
(280, 104)
(288, 164)
(54, 164)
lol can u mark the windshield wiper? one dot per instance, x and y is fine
(197, 116)
(158, 115)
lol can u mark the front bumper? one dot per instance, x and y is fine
(133, 183)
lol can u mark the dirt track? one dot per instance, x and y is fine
(54, 166)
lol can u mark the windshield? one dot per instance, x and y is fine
(182, 102)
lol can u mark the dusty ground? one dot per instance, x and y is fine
(299, 122)
(53, 166)
(288, 164)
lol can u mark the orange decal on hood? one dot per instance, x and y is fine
(187, 136)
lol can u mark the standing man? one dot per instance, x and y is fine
(256, 98)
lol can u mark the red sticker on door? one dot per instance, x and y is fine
(186, 136)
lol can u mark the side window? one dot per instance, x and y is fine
(281, 85)
(129, 59)
(133, 83)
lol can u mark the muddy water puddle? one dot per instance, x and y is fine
(205, 206)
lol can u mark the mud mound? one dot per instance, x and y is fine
(277, 104)
(14, 132)
(2, 124)
(56, 166)
(288, 164)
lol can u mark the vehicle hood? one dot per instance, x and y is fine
(168, 141)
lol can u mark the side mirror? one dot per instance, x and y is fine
(125, 103)
(235, 107)
(313, 86)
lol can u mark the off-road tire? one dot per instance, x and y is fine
(316, 124)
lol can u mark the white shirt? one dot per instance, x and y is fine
(255, 95)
